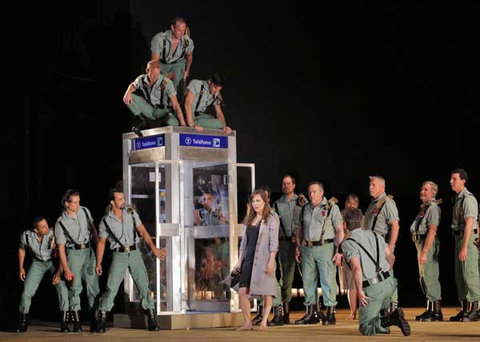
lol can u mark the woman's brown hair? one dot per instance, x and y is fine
(251, 214)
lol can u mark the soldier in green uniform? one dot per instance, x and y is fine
(371, 261)
(73, 233)
(200, 95)
(318, 238)
(174, 50)
(424, 234)
(40, 244)
(381, 217)
(465, 230)
(288, 208)
(122, 226)
(157, 102)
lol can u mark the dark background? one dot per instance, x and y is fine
(335, 93)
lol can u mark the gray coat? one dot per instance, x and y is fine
(261, 283)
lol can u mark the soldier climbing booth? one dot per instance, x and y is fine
(169, 175)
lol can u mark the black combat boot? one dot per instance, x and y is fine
(330, 317)
(22, 323)
(458, 317)
(63, 321)
(142, 124)
(286, 313)
(397, 318)
(435, 314)
(426, 312)
(474, 314)
(258, 318)
(152, 320)
(101, 322)
(277, 319)
(77, 322)
(309, 318)
(319, 313)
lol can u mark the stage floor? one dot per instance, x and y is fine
(343, 331)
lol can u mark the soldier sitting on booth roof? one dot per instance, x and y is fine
(201, 95)
(157, 102)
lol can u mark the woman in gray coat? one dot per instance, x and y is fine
(257, 258)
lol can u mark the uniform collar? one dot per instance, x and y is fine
(284, 198)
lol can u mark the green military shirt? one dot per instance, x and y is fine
(465, 205)
(159, 94)
(314, 219)
(206, 99)
(124, 230)
(366, 239)
(430, 214)
(40, 250)
(77, 228)
(162, 42)
(386, 215)
(286, 212)
(209, 218)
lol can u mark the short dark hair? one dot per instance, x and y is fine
(111, 193)
(353, 218)
(217, 79)
(462, 173)
(36, 219)
(67, 195)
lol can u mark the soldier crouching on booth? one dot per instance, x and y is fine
(371, 261)
(122, 225)
(40, 244)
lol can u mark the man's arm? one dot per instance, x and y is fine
(432, 232)
(148, 239)
(127, 98)
(221, 117)
(357, 276)
(155, 56)
(298, 241)
(189, 98)
(189, 58)
(462, 255)
(178, 110)
(339, 236)
(99, 253)
(21, 260)
(63, 260)
(395, 228)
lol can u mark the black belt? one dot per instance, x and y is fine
(80, 246)
(125, 249)
(292, 239)
(41, 260)
(381, 277)
(165, 62)
(460, 232)
(317, 243)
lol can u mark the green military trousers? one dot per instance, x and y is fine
(466, 272)
(380, 295)
(140, 106)
(34, 276)
(286, 254)
(430, 271)
(134, 262)
(207, 121)
(82, 264)
(319, 258)
(178, 71)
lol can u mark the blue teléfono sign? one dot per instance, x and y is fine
(148, 142)
(209, 141)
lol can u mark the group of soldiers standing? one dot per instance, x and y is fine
(316, 236)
